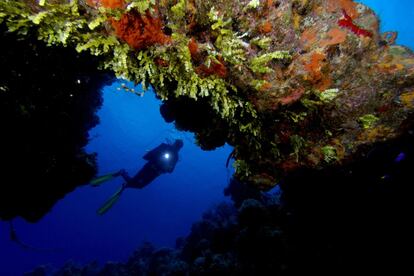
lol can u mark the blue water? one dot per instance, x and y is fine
(161, 212)
(396, 15)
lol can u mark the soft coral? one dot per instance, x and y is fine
(140, 31)
(113, 3)
(348, 23)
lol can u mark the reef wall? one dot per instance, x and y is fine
(48, 100)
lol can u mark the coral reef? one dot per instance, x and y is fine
(44, 124)
(274, 73)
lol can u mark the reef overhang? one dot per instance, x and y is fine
(288, 83)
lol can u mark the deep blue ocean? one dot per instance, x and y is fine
(165, 210)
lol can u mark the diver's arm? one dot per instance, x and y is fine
(154, 152)
(171, 169)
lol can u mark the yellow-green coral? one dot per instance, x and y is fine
(297, 143)
(407, 99)
(368, 120)
(227, 42)
(253, 4)
(97, 44)
(296, 117)
(178, 9)
(140, 5)
(56, 25)
(259, 64)
(242, 169)
(262, 42)
(258, 84)
(328, 95)
(329, 154)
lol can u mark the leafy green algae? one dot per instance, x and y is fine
(272, 85)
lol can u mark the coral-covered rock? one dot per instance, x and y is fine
(294, 83)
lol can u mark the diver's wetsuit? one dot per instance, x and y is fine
(161, 160)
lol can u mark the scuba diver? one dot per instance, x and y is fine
(161, 160)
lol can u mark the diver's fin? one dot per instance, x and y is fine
(102, 179)
(110, 202)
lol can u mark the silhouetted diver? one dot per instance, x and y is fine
(161, 160)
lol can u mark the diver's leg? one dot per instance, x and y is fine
(104, 178)
(124, 175)
(144, 177)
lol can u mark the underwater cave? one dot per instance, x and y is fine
(252, 137)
